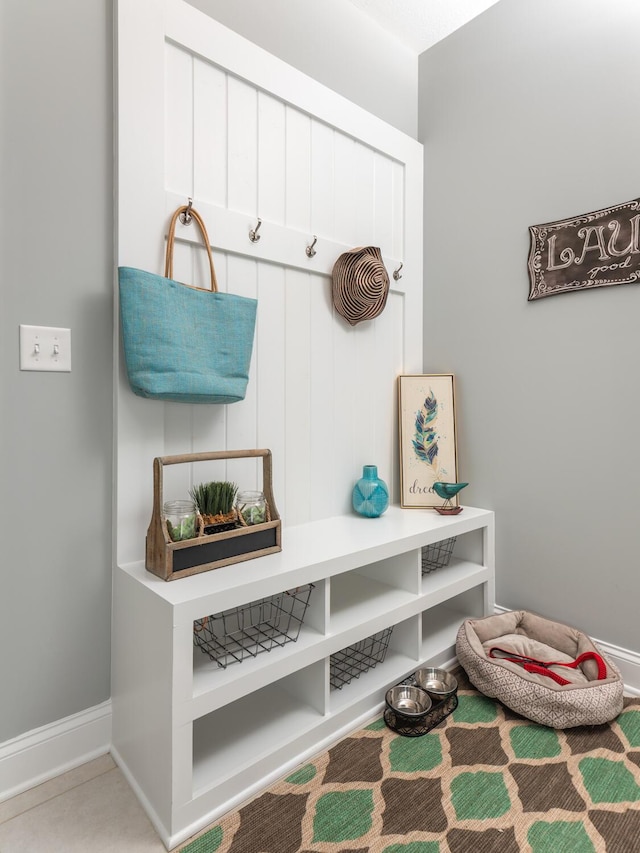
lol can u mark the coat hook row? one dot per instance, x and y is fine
(396, 273)
(186, 218)
(254, 237)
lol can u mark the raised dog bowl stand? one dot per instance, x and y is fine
(416, 726)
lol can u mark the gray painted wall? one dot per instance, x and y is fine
(56, 261)
(528, 115)
(56, 268)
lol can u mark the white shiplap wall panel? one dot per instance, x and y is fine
(178, 421)
(270, 369)
(200, 271)
(179, 121)
(385, 367)
(178, 429)
(323, 437)
(210, 422)
(398, 310)
(322, 183)
(209, 432)
(271, 158)
(242, 418)
(345, 157)
(242, 135)
(297, 184)
(364, 197)
(210, 133)
(366, 391)
(397, 210)
(297, 383)
(383, 203)
(179, 418)
(184, 255)
(139, 425)
(345, 411)
(246, 136)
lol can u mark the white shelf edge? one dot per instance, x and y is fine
(310, 552)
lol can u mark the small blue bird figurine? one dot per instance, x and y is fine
(448, 491)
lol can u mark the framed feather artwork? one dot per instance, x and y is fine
(427, 433)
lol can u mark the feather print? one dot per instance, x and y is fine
(425, 441)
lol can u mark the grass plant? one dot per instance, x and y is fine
(215, 498)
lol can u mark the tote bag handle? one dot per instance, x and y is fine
(168, 266)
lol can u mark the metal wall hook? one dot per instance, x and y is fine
(185, 216)
(253, 234)
(310, 250)
(396, 273)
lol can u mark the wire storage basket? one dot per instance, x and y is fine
(246, 631)
(351, 662)
(438, 555)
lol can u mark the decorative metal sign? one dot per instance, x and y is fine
(597, 249)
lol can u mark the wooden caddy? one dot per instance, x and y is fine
(172, 560)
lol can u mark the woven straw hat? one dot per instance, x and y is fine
(360, 284)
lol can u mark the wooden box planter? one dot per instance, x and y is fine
(172, 560)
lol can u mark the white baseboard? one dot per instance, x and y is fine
(628, 662)
(39, 755)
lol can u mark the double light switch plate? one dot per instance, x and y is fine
(45, 348)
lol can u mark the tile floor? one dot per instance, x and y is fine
(90, 809)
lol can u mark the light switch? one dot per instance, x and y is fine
(45, 348)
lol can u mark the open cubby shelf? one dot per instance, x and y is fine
(196, 738)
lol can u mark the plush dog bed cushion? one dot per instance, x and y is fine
(586, 700)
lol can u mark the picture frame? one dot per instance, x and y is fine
(427, 438)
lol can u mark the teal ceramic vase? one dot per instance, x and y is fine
(370, 493)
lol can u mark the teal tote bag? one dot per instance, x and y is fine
(184, 343)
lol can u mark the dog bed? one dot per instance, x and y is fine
(543, 670)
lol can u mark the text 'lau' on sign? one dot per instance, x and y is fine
(596, 249)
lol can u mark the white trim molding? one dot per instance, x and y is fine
(628, 662)
(39, 755)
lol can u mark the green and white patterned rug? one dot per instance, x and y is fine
(484, 781)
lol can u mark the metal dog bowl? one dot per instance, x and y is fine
(437, 682)
(408, 701)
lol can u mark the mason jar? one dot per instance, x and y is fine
(252, 506)
(181, 520)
